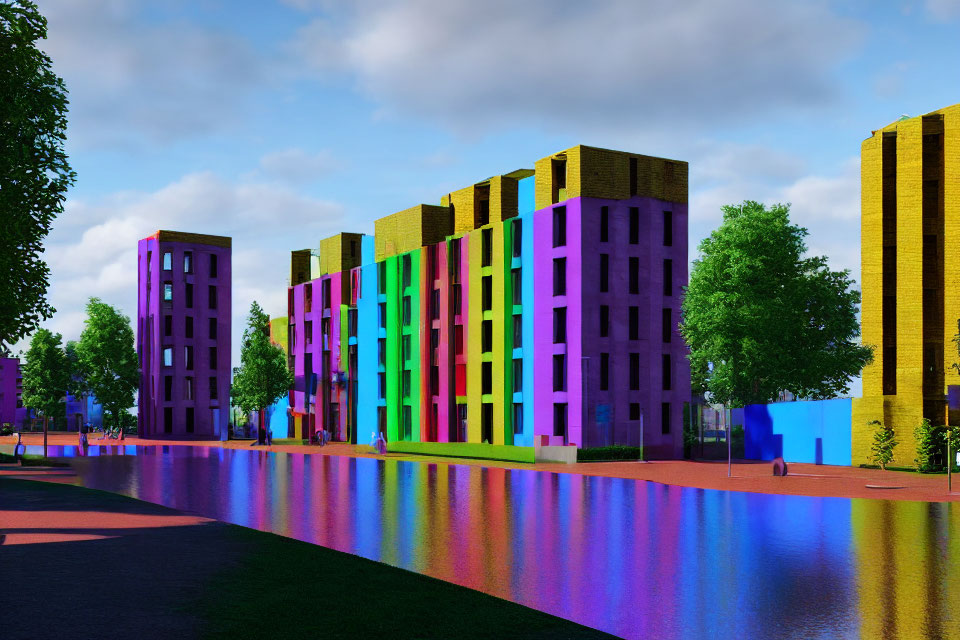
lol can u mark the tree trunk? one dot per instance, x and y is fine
(261, 430)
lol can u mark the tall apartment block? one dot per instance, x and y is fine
(910, 215)
(539, 305)
(183, 335)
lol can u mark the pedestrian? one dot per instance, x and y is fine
(382, 445)
(269, 438)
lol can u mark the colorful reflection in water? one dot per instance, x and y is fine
(637, 559)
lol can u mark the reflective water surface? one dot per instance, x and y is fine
(634, 558)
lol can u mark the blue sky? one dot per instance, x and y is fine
(279, 123)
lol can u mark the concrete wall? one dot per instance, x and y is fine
(805, 431)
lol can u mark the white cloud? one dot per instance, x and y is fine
(133, 84)
(96, 254)
(614, 64)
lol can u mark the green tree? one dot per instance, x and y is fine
(108, 360)
(929, 438)
(46, 375)
(34, 172)
(262, 377)
(884, 442)
(760, 318)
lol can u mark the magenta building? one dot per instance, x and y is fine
(183, 335)
(10, 389)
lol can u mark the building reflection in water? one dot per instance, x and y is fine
(637, 559)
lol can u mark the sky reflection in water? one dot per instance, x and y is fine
(634, 558)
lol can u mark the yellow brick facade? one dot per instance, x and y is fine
(411, 229)
(904, 410)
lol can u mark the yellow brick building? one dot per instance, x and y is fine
(910, 230)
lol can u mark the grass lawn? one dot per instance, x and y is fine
(223, 581)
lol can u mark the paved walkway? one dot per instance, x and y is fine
(804, 479)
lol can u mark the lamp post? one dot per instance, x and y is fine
(641, 437)
(726, 420)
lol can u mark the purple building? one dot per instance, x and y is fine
(10, 389)
(183, 335)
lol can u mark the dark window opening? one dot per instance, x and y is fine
(486, 336)
(516, 282)
(517, 375)
(486, 378)
(634, 411)
(188, 327)
(517, 332)
(560, 420)
(559, 226)
(559, 372)
(213, 265)
(189, 420)
(487, 292)
(604, 224)
(168, 325)
(213, 357)
(486, 247)
(517, 418)
(168, 419)
(517, 238)
(407, 268)
(559, 325)
(168, 388)
(212, 296)
(189, 296)
(213, 387)
(559, 276)
(634, 225)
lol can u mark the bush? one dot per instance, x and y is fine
(884, 442)
(737, 442)
(616, 452)
(929, 438)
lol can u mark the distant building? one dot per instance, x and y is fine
(910, 227)
(11, 385)
(77, 410)
(538, 305)
(183, 335)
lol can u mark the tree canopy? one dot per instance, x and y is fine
(46, 375)
(34, 171)
(262, 377)
(760, 318)
(108, 363)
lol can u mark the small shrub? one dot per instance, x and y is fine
(884, 442)
(928, 440)
(616, 452)
(737, 442)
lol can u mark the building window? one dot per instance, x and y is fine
(407, 422)
(487, 292)
(213, 357)
(455, 260)
(604, 320)
(307, 298)
(213, 265)
(559, 372)
(559, 276)
(516, 282)
(407, 310)
(325, 334)
(634, 275)
(667, 325)
(517, 238)
(486, 247)
(407, 264)
(434, 382)
(188, 261)
(634, 411)
(604, 273)
(325, 293)
(517, 375)
(189, 419)
(457, 299)
(517, 418)
(665, 417)
(167, 261)
(560, 419)
(486, 378)
(189, 296)
(188, 388)
(168, 388)
(168, 356)
(212, 296)
(668, 228)
(486, 336)
(168, 419)
(458, 339)
(486, 422)
(382, 314)
(308, 332)
(188, 327)
(559, 169)
(517, 332)
(435, 304)
(352, 319)
(604, 371)
(167, 292)
(666, 372)
(168, 325)
(381, 385)
(382, 277)
(434, 339)
(634, 225)
(213, 387)
(382, 351)
(604, 224)
(634, 371)
(406, 348)
(560, 226)
(406, 383)
(668, 277)
(634, 323)
(559, 325)
(188, 357)
(212, 328)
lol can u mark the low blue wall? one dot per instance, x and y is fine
(805, 431)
